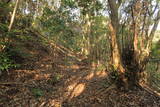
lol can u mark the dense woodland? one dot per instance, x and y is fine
(80, 53)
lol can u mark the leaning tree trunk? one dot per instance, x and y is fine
(13, 15)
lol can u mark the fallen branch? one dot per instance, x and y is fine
(149, 90)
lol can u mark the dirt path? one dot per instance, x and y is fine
(62, 81)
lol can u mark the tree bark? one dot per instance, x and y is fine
(116, 55)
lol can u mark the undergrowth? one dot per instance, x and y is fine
(6, 62)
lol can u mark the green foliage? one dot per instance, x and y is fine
(89, 6)
(156, 50)
(152, 67)
(6, 63)
(4, 8)
(70, 3)
(24, 22)
(153, 75)
(101, 67)
(3, 28)
(55, 79)
(18, 53)
(54, 25)
(37, 92)
(113, 77)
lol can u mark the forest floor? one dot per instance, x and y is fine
(56, 80)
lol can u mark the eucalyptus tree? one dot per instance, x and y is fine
(131, 51)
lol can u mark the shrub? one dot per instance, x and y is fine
(37, 92)
(6, 63)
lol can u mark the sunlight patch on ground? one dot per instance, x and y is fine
(89, 76)
(75, 67)
(71, 87)
(53, 103)
(77, 90)
(42, 76)
(101, 74)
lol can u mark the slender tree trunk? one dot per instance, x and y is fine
(13, 15)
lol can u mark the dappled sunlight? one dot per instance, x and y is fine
(77, 90)
(24, 71)
(71, 87)
(61, 66)
(89, 76)
(79, 53)
(51, 103)
(75, 67)
(21, 75)
(101, 74)
(55, 103)
(98, 74)
(42, 76)
(29, 74)
(74, 71)
(79, 83)
(33, 52)
(47, 66)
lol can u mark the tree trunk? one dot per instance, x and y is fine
(13, 15)
(129, 62)
(123, 62)
(117, 61)
(116, 54)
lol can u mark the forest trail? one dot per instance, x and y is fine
(53, 79)
(79, 53)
